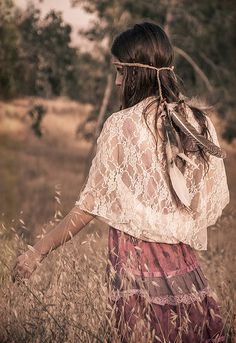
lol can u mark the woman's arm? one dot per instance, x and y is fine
(68, 227)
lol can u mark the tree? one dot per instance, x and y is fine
(36, 57)
(204, 57)
(9, 50)
(45, 48)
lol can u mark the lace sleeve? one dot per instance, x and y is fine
(99, 194)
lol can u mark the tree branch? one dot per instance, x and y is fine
(197, 69)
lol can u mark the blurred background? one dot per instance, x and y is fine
(57, 88)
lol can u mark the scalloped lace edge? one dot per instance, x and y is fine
(167, 299)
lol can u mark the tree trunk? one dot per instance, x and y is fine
(100, 120)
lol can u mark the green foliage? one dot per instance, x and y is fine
(9, 54)
(45, 47)
(35, 56)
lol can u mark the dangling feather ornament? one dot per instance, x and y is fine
(180, 150)
(177, 178)
(192, 133)
(177, 147)
(174, 148)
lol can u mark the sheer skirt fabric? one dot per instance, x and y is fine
(159, 292)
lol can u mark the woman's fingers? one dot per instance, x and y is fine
(16, 273)
(25, 264)
(20, 274)
(22, 268)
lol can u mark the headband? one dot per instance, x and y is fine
(150, 67)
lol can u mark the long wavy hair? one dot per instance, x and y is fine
(148, 43)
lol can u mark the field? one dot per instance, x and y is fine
(64, 301)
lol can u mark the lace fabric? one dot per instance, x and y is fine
(128, 187)
(182, 298)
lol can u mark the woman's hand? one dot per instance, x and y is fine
(25, 264)
(69, 226)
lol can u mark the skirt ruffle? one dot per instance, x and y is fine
(160, 290)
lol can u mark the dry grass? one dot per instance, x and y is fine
(65, 300)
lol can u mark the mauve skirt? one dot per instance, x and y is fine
(157, 292)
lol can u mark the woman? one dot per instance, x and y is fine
(158, 179)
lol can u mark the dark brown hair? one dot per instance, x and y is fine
(147, 43)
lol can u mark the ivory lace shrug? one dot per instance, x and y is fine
(128, 187)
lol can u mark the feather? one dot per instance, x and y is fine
(169, 128)
(175, 142)
(177, 178)
(187, 159)
(192, 133)
(179, 185)
(171, 136)
(199, 103)
(181, 153)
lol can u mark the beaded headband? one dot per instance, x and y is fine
(141, 65)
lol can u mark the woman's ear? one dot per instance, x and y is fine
(119, 78)
(119, 72)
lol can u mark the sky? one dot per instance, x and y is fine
(76, 17)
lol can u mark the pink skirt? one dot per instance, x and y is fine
(158, 291)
